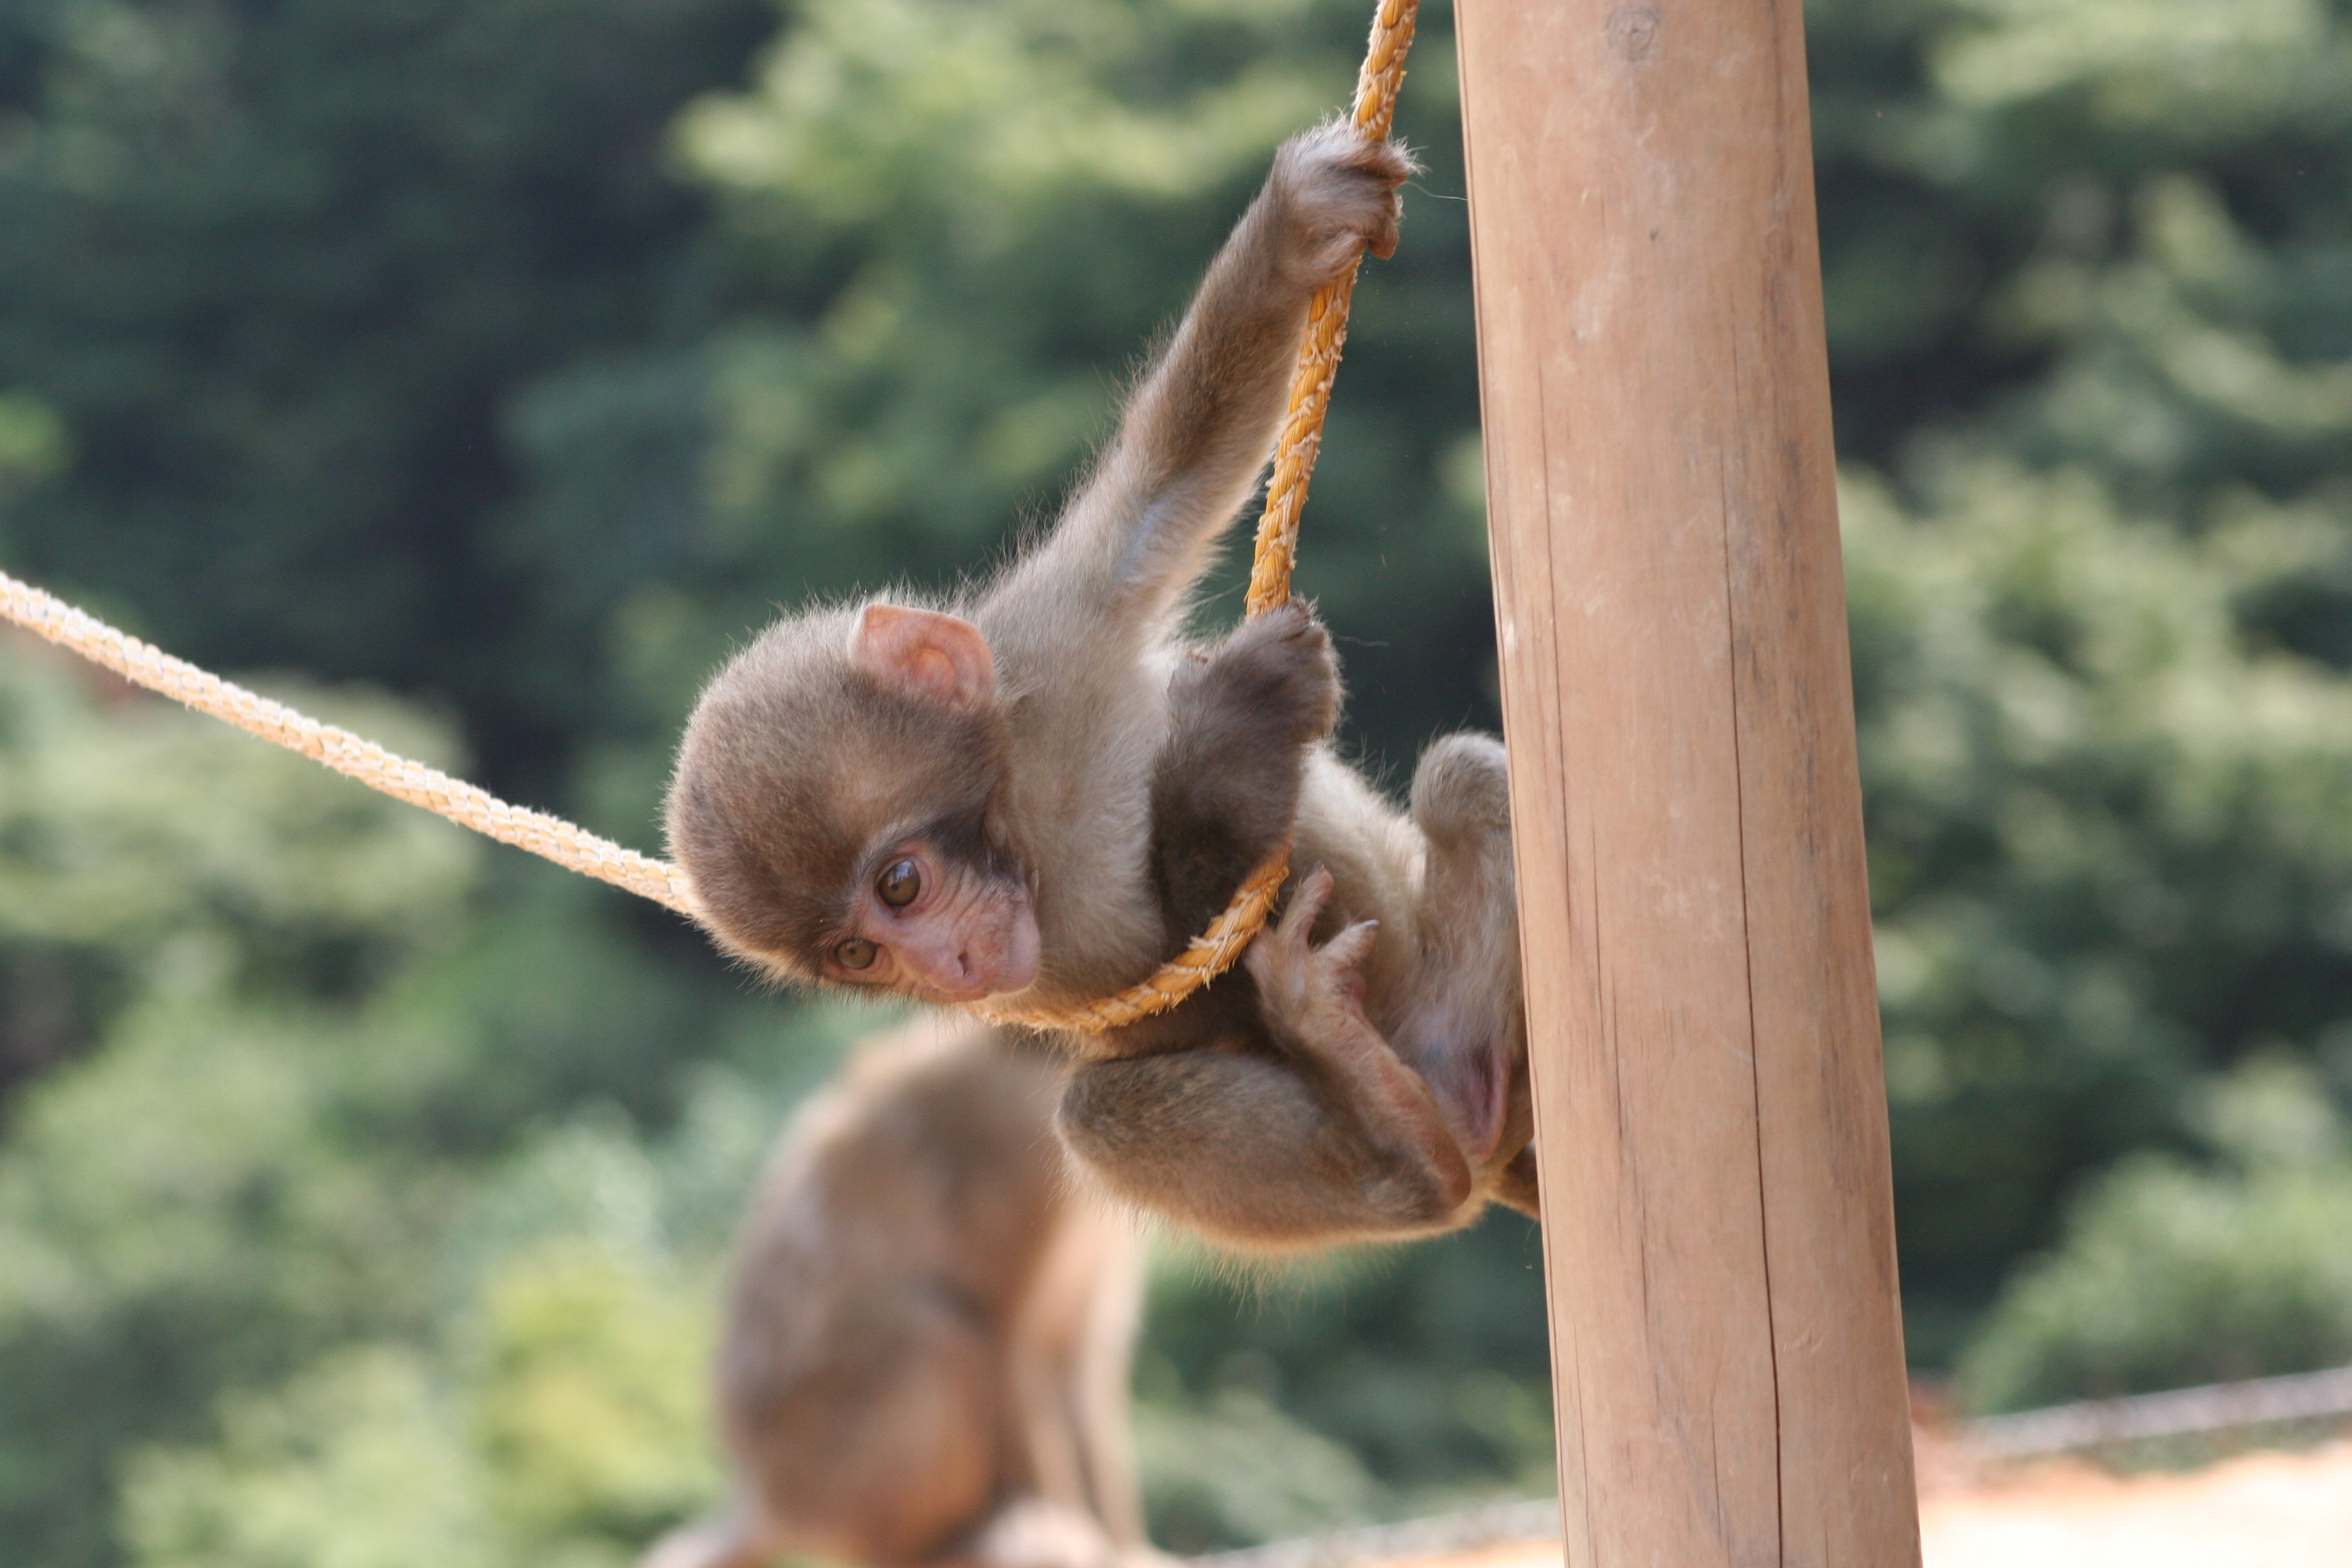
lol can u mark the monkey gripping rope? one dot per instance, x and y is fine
(1209, 955)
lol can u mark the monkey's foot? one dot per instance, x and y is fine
(1035, 1533)
(1313, 1000)
(1465, 1033)
(1312, 993)
(1515, 1185)
(1278, 665)
(1462, 795)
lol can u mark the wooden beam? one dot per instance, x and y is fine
(1727, 1346)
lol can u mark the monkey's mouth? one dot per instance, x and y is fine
(1009, 963)
(992, 950)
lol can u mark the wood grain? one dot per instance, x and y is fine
(1710, 1112)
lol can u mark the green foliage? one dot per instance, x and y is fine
(590, 1416)
(521, 356)
(354, 1465)
(32, 442)
(1430, 1362)
(2169, 1275)
(1235, 1470)
(185, 921)
(2107, 842)
(2085, 266)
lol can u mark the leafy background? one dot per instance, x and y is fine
(361, 1188)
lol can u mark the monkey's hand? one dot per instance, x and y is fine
(1333, 194)
(1312, 995)
(1275, 676)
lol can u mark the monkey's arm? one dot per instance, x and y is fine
(1199, 426)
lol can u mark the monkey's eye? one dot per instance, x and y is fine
(855, 953)
(899, 884)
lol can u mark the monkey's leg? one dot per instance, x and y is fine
(1225, 788)
(1069, 1355)
(1254, 1152)
(1514, 1184)
(1331, 1137)
(1465, 1030)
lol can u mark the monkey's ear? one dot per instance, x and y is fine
(925, 654)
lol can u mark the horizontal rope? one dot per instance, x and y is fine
(142, 663)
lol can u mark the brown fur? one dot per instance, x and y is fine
(772, 832)
(926, 1350)
(1364, 1075)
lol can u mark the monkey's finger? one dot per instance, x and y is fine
(1389, 160)
(1347, 949)
(1307, 901)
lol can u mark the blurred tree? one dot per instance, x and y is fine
(2107, 841)
(2171, 1273)
(278, 274)
(355, 1463)
(142, 847)
(280, 1072)
(2087, 266)
(523, 355)
(190, 921)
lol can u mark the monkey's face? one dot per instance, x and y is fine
(936, 917)
(834, 805)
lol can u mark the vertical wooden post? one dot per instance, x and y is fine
(1711, 1124)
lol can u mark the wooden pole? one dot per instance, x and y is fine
(1711, 1124)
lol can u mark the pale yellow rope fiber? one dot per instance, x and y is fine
(1209, 955)
(347, 753)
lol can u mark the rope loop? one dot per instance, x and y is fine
(1209, 955)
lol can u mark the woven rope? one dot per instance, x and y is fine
(143, 665)
(1209, 955)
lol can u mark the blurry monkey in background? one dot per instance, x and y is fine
(925, 1358)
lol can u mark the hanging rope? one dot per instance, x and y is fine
(1209, 955)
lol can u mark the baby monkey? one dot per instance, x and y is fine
(1036, 790)
(928, 1336)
